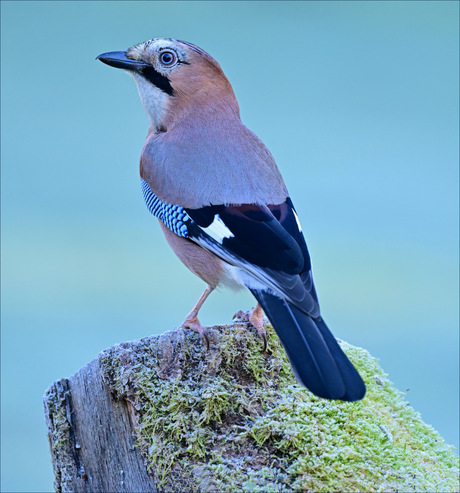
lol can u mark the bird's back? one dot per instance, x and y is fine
(211, 161)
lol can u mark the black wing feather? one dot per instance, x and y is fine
(269, 238)
(259, 237)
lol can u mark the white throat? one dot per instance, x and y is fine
(154, 100)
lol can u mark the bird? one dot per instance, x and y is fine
(225, 210)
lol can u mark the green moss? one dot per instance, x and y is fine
(59, 432)
(234, 418)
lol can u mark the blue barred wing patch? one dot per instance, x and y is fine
(174, 217)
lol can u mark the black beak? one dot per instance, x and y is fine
(118, 59)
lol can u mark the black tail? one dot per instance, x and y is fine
(316, 358)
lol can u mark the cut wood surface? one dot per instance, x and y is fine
(164, 414)
(92, 437)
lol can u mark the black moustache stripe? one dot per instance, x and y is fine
(157, 79)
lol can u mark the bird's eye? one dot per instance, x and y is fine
(168, 58)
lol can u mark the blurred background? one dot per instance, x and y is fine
(358, 102)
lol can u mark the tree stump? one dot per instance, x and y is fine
(92, 436)
(164, 414)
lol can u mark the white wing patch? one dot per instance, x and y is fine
(217, 230)
(297, 220)
(237, 278)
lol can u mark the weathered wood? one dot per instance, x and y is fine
(92, 437)
(163, 414)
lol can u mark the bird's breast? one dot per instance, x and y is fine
(197, 167)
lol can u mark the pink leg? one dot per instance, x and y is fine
(256, 318)
(191, 320)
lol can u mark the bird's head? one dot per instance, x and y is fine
(174, 77)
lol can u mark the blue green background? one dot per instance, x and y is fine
(358, 102)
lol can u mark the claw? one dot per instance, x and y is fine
(194, 324)
(263, 335)
(242, 315)
(256, 318)
(204, 335)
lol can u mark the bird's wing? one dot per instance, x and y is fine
(266, 242)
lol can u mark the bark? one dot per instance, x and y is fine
(92, 437)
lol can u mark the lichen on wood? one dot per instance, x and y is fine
(234, 418)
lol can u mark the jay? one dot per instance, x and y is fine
(225, 209)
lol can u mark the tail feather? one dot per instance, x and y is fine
(354, 385)
(316, 358)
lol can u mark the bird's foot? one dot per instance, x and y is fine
(192, 322)
(256, 318)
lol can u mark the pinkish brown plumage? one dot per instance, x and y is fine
(200, 151)
(224, 207)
